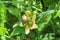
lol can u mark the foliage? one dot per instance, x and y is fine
(44, 23)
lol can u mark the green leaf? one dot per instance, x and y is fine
(2, 12)
(17, 3)
(3, 30)
(3, 37)
(17, 30)
(15, 25)
(41, 27)
(2, 8)
(31, 35)
(50, 4)
(22, 36)
(44, 16)
(14, 11)
(57, 14)
(43, 20)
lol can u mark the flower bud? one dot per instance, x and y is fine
(26, 2)
(24, 17)
(27, 12)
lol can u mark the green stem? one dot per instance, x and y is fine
(53, 27)
(37, 9)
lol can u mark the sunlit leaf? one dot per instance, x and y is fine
(3, 31)
(57, 14)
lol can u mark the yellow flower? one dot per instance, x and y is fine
(27, 13)
(24, 17)
(30, 24)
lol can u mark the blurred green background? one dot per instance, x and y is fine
(47, 19)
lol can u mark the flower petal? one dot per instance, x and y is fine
(24, 17)
(34, 26)
(33, 18)
(21, 25)
(27, 30)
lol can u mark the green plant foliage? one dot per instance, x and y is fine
(3, 30)
(17, 30)
(16, 12)
(57, 14)
(29, 19)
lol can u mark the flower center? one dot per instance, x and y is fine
(30, 23)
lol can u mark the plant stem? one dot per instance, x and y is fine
(53, 27)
